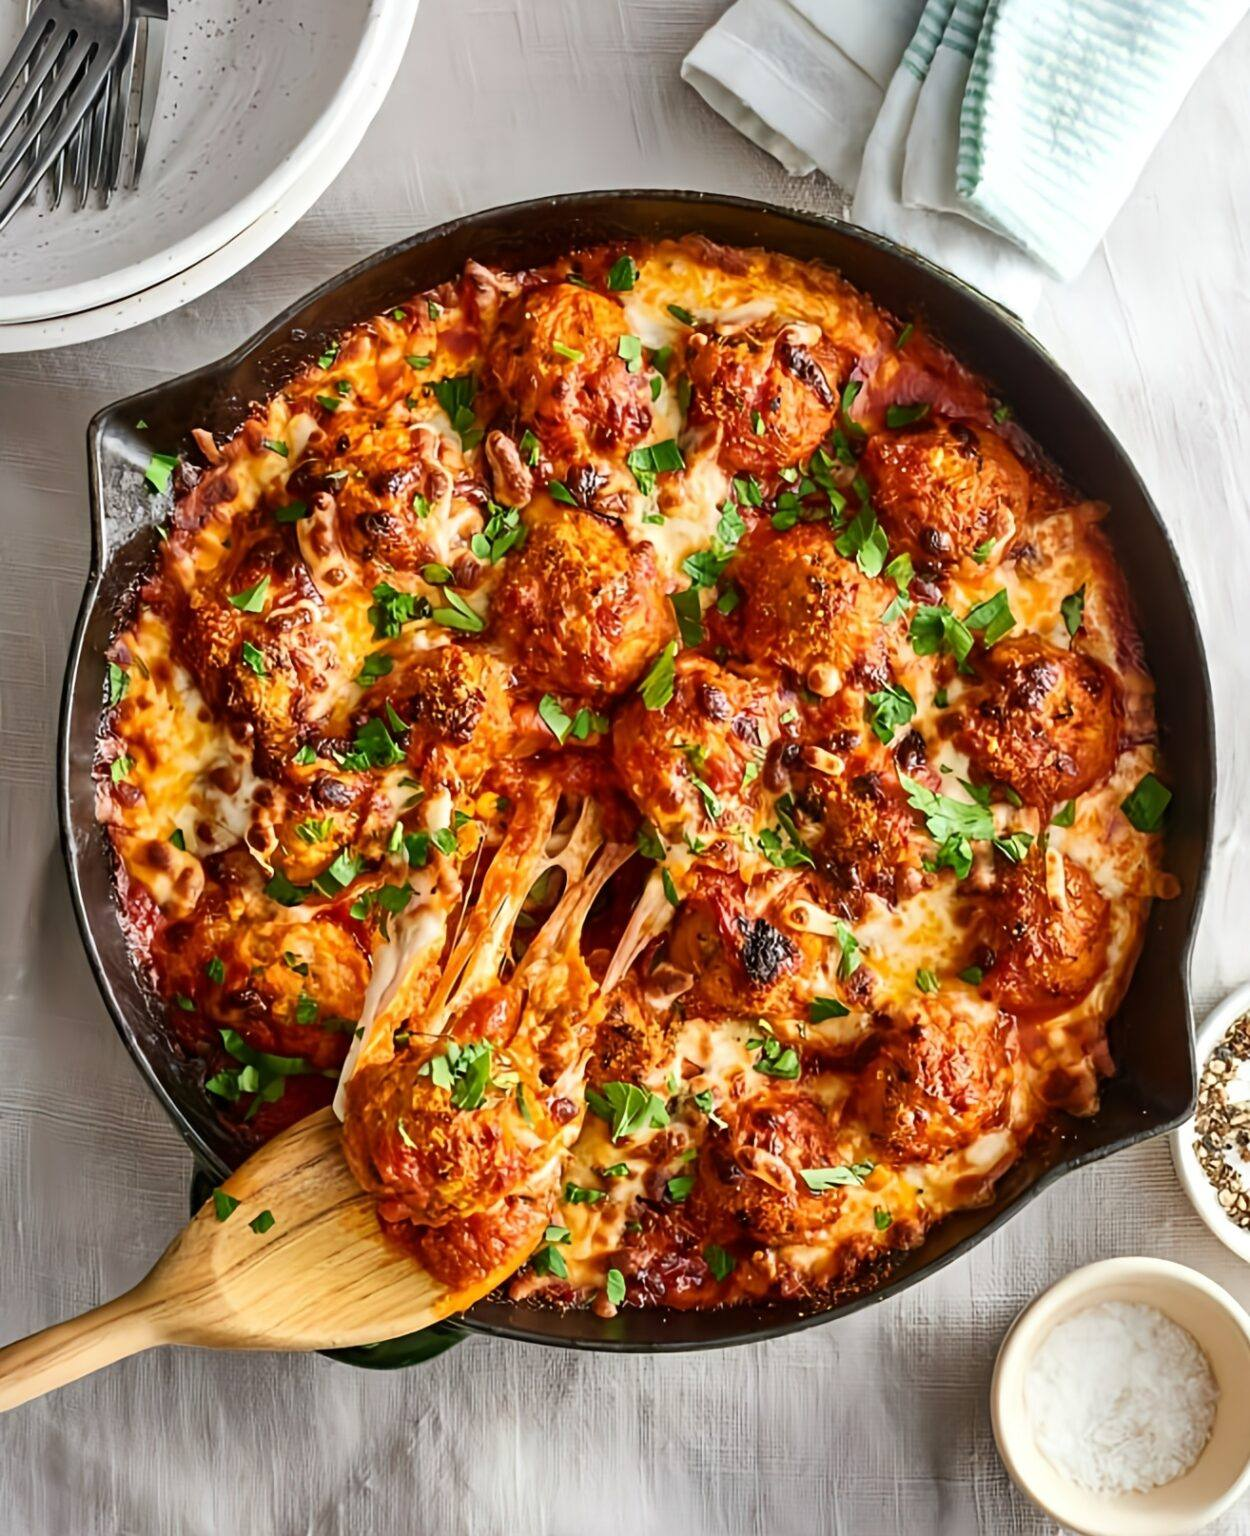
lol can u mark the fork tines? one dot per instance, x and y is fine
(52, 81)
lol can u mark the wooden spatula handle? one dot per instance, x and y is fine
(80, 1345)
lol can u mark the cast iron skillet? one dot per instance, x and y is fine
(1151, 1035)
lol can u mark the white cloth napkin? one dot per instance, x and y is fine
(997, 137)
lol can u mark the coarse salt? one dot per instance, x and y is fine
(1120, 1398)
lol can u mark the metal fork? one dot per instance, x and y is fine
(61, 62)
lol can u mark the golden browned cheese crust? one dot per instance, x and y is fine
(657, 682)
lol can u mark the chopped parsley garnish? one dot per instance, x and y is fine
(530, 447)
(623, 274)
(184, 1002)
(377, 664)
(578, 1194)
(864, 539)
(705, 566)
(284, 893)
(648, 842)
(657, 687)
(758, 425)
(305, 757)
(904, 336)
(416, 361)
(614, 1286)
(993, 617)
(973, 975)
(679, 313)
(627, 1107)
(719, 1262)
(274, 445)
(160, 470)
(679, 1188)
(548, 1260)
(327, 402)
(464, 1070)
(820, 1180)
(1073, 610)
(881, 1218)
(293, 512)
(392, 609)
(889, 709)
(224, 1205)
(457, 614)
(251, 599)
(629, 350)
(927, 981)
(1014, 846)
(689, 611)
(178, 840)
(262, 1223)
(306, 1009)
(953, 824)
(935, 629)
(670, 890)
(120, 767)
(255, 659)
(905, 415)
(261, 1073)
(215, 970)
(456, 397)
(328, 357)
(655, 459)
(118, 683)
(504, 530)
(849, 945)
(984, 550)
(1146, 806)
(560, 492)
(374, 746)
(554, 718)
(775, 1059)
(573, 354)
(1065, 815)
(822, 1008)
(437, 575)
(1002, 413)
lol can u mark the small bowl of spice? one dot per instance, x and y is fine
(1121, 1397)
(1212, 1151)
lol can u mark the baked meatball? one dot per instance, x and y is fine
(1046, 942)
(743, 957)
(942, 1077)
(554, 361)
(289, 988)
(684, 765)
(773, 392)
(433, 1153)
(751, 1172)
(811, 610)
(457, 704)
(393, 474)
(582, 611)
(269, 669)
(868, 844)
(1046, 721)
(945, 490)
(631, 1038)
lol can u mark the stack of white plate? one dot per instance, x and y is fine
(260, 107)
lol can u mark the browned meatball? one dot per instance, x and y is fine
(939, 1079)
(773, 393)
(741, 953)
(684, 765)
(1046, 721)
(554, 361)
(582, 610)
(457, 703)
(392, 474)
(945, 490)
(1045, 951)
(751, 1173)
(868, 844)
(810, 609)
(267, 663)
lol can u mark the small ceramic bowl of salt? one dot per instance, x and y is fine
(1121, 1399)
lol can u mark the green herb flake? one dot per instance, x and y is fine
(721, 1264)
(262, 1223)
(224, 1205)
(657, 687)
(906, 415)
(629, 350)
(255, 659)
(118, 683)
(888, 710)
(573, 354)
(251, 599)
(881, 1218)
(160, 470)
(1065, 815)
(628, 1109)
(554, 717)
(679, 1188)
(614, 1286)
(993, 617)
(822, 1008)
(927, 981)
(1147, 805)
(623, 274)
(1072, 610)
(821, 1180)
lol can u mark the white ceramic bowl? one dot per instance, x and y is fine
(1220, 1475)
(1194, 1182)
(254, 98)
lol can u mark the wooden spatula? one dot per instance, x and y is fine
(322, 1276)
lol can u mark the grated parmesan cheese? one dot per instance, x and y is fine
(1120, 1398)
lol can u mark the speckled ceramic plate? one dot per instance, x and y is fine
(257, 97)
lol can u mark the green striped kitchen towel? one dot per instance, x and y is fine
(1064, 103)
